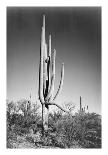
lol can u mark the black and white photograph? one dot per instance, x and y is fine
(53, 82)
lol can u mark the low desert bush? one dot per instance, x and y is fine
(83, 130)
(65, 130)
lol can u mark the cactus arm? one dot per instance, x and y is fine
(49, 45)
(48, 76)
(45, 77)
(52, 103)
(51, 88)
(53, 62)
(49, 63)
(61, 82)
(53, 72)
(53, 77)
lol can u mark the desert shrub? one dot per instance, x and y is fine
(53, 118)
(10, 137)
(16, 119)
(82, 129)
(20, 124)
(93, 131)
(65, 130)
(28, 117)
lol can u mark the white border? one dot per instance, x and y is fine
(3, 5)
(51, 3)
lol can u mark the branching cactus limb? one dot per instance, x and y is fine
(51, 90)
(49, 62)
(47, 77)
(49, 46)
(52, 103)
(61, 82)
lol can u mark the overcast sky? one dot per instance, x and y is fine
(76, 36)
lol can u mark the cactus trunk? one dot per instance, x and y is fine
(45, 114)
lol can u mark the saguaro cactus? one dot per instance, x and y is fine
(47, 77)
(80, 104)
(82, 109)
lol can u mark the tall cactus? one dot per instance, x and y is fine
(47, 77)
(80, 104)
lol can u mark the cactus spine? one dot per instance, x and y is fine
(47, 77)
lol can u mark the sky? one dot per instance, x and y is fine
(76, 36)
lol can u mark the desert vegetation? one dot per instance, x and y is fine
(65, 130)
